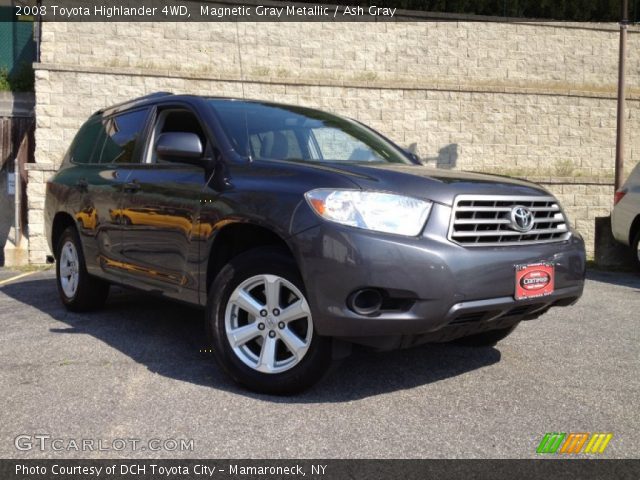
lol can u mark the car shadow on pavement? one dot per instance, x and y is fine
(169, 339)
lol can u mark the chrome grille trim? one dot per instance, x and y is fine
(483, 221)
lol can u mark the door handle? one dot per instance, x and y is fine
(82, 184)
(132, 187)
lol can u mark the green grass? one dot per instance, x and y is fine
(21, 80)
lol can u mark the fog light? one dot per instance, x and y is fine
(365, 302)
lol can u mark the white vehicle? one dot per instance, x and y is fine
(625, 218)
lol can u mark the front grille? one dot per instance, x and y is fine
(484, 220)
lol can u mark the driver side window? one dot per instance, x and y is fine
(174, 120)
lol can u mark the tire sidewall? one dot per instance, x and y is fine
(91, 292)
(259, 262)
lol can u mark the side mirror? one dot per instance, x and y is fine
(179, 147)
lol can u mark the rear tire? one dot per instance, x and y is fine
(79, 291)
(485, 339)
(261, 327)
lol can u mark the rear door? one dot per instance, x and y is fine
(103, 182)
(95, 182)
(160, 211)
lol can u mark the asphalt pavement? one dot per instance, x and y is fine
(139, 371)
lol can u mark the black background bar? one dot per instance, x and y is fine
(575, 469)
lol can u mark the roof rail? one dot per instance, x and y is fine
(135, 100)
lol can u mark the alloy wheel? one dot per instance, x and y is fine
(69, 269)
(268, 323)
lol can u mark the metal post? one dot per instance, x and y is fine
(619, 172)
(38, 31)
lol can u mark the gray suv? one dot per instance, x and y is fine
(300, 233)
(625, 217)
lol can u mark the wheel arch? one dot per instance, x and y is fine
(61, 222)
(635, 228)
(237, 238)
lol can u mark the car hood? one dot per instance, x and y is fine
(438, 185)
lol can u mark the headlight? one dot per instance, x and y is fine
(382, 212)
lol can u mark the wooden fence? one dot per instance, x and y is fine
(16, 150)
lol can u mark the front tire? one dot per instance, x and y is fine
(79, 291)
(486, 339)
(635, 250)
(261, 326)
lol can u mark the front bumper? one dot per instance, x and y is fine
(441, 285)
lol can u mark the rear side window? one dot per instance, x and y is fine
(85, 147)
(122, 132)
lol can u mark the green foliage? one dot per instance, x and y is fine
(5, 86)
(21, 80)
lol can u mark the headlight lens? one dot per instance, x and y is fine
(379, 211)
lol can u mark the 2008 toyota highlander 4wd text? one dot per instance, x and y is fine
(300, 233)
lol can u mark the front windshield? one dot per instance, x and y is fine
(280, 132)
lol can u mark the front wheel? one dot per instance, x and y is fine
(486, 339)
(78, 290)
(261, 325)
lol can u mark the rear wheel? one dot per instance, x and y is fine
(78, 290)
(261, 325)
(486, 339)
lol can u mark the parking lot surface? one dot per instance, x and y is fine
(139, 369)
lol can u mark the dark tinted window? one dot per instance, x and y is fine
(178, 121)
(282, 132)
(122, 132)
(85, 149)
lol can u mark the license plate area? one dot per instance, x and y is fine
(534, 280)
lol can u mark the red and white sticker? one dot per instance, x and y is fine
(534, 280)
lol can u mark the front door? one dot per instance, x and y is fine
(160, 211)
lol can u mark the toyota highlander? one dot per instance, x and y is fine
(300, 233)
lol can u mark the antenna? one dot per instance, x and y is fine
(240, 59)
(246, 122)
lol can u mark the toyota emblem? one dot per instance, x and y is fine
(521, 218)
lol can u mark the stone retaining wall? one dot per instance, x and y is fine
(521, 99)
